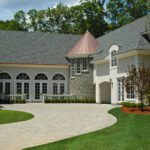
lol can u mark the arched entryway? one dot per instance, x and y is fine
(105, 93)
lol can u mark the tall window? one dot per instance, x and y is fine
(113, 58)
(85, 64)
(130, 90)
(5, 83)
(121, 90)
(58, 84)
(78, 71)
(73, 67)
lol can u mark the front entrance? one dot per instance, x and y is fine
(40, 89)
(5, 88)
(58, 88)
(23, 88)
(105, 93)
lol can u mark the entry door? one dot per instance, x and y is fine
(23, 88)
(5, 88)
(58, 88)
(40, 89)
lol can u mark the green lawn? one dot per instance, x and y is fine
(131, 132)
(10, 116)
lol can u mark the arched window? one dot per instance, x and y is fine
(23, 76)
(58, 77)
(5, 76)
(41, 76)
(113, 58)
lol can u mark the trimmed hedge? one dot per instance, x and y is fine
(132, 105)
(69, 100)
(15, 101)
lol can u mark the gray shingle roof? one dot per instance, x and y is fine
(129, 37)
(35, 48)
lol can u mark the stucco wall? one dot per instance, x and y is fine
(102, 69)
(125, 62)
(145, 59)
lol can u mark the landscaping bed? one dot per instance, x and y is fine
(135, 108)
(146, 110)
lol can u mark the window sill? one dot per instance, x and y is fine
(72, 78)
(78, 74)
(115, 67)
(85, 71)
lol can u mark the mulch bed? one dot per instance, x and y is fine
(136, 110)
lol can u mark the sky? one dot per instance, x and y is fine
(9, 7)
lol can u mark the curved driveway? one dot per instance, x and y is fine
(53, 122)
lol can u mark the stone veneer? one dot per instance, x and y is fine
(82, 85)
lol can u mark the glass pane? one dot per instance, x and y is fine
(62, 88)
(37, 90)
(55, 88)
(19, 88)
(78, 66)
(1, 87)
(44, 88)
(85, 64)
(26, 90)
(4, 76)
(41, 77)
(22, 76)
(58, 77)
(7, 88)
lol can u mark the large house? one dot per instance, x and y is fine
(37, 64)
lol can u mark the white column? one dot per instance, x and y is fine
(97, 93)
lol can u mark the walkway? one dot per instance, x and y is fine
(53, 122)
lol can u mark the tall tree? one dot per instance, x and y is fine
(120, 12)
(138, 81)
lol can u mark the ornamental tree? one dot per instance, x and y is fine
(140, 78)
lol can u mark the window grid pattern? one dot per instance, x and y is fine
(19, 88)
(113, 58)
(62, 88)
(130, 91)
(78, 71)
(5, 76)
(44, 88)
(22, 76)
(26, 90)
(55, 88)
(7, 88)
(85, 64)
(58, 77)
(41, 76)
(73, 68)
(121, 89)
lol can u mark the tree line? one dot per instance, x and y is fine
(97, 16)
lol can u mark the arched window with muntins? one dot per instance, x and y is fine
(5, 76)
(23, 76)
(58, 77)
(41, 76)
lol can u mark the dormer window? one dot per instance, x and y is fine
(113, 58)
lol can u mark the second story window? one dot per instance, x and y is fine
(78, 70)
(113, 58)
(85, 64)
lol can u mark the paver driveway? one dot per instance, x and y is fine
(53, 122)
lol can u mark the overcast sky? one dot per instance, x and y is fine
(9, 7)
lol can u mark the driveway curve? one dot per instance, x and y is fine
(53, 122)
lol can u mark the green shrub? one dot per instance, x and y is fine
(132, 105)
(69, 100)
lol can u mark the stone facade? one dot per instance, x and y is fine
(82, 85)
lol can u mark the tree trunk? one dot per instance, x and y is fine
(142, 106)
